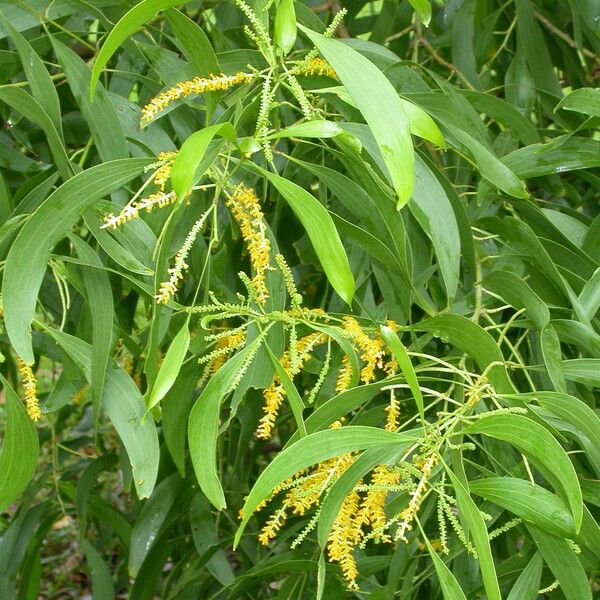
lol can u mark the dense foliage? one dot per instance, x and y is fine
(300, 300)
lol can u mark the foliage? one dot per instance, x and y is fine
(300, 299)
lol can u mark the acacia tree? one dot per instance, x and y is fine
(301, 299)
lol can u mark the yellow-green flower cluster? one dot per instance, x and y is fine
(275, 394)
(29, 390)
(317, 66)
(132, 210)
(245, 208)
(198, 85)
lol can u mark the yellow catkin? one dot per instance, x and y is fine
(344, 376)
(133, 209)
(318, 66)
(272, 526)
(371, 350)
(169, 288)
(346, 533)
(29, 390)
(416, 498)
(79, 396)
(229, 342)
(274, 395)
(163, 173)
(372, 510)
(198, 85)
(393, 413)
(245, 208)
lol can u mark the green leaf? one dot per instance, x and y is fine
(469, 337)
(102, 583)
(515, 291)
(450, 587)
(19, 452)
(379, 104)
(583, 100)
(296, 403)
(308, 451)
(552, 354)
(203, 425)
(127, 25)
(423, 10)
(541, 448)
(469, 511)
(401, 355)
(582, 370)
(100, 299)
(564, 564)
(322, 233)
(19, 100)
(589, 298)
(529, 501)
(310, 129)
(110, 141)
(52, 221)
(191, 154)
(170, 367)
(125, 408)
(285, 26)
(528, 583)
(151, 519)
(42, 86)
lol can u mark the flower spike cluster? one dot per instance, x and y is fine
(29, 390)
(198, 85)
(245, 208)
(132, 210)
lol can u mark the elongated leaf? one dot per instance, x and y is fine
(475, 341)
(153, 515)
(309, 450)
(128, 24)
(110, 141)
(101, 303)
(582, 370)
(291, 392)
(583, 100)
(22, 102)
(285, 26)
(310, 129)
(405, 364)
(529, 501)
(52, 221)
(450, 587)
(479, 534)
(552, 354)
(322, 233)
(590, 295)
(564, 564)
(379, 104)
(170, 367)
(191, 154)
(528, 583)
(19, 451)
(203, 425)
(515, 291)
(125, 407)
(423, 9)
(102, 583)
(42, 86)
(541, 447)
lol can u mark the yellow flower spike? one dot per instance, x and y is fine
(132, 210)
(274, 395)
(416, 499)
(272, 526)
(318, 66)
(228, 342)
(163, 173)
(169, 288)
(29, 390)
(78, 397)
(346, 533)
(372, 350)
(344, 376)
(245, 208)
(372, 510)
(198, 85)
(393, 412)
